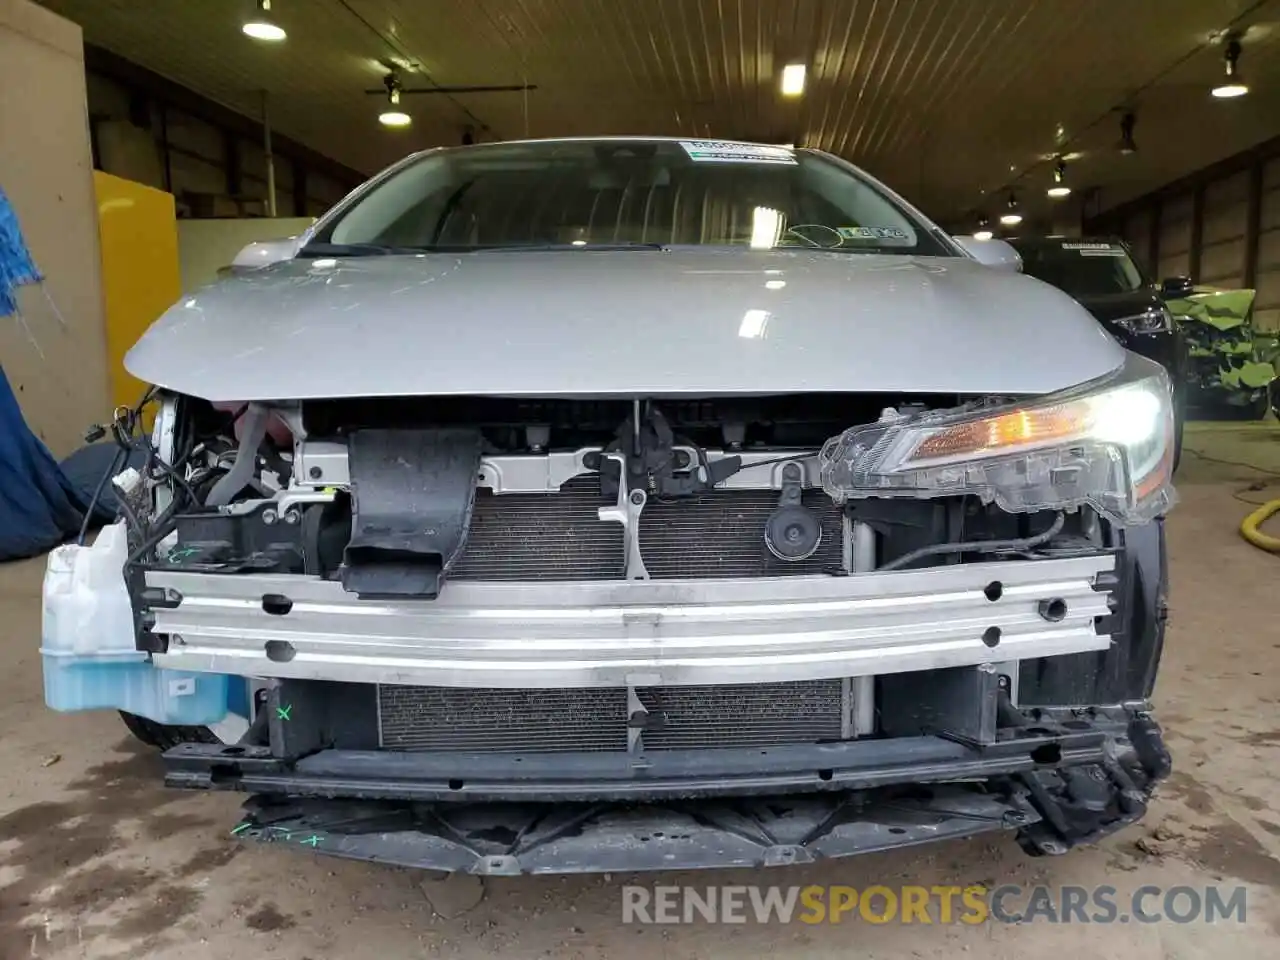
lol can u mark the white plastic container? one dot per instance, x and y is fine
(87, 643)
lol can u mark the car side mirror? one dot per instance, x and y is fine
(263, 253)
(1175, 288)
(991, 253)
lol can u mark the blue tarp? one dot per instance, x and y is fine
(39, 506)
(16, 265)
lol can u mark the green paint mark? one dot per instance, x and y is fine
(282, 713)
(241, 828)
(311, 841)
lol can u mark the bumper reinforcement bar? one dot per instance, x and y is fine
(642, 633)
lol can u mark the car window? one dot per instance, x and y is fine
(1082, 268)
(609, 192)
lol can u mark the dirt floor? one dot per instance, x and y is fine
(97, 860)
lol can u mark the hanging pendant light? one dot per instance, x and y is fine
(1059, 188)
(261, 25)
(393, 115)
(1012, 215)
(1233, 84)
(984, 229)
(1127, 146)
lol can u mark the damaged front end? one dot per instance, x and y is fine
(508, 636)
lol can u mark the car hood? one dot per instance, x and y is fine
(1115, 306)
(638, 322)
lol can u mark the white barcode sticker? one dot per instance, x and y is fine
(731, 151)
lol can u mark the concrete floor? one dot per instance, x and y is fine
(96, 860)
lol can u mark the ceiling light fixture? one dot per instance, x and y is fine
(984, 228)
(262, 26)
(1233, 86)
(1011, 217)
(393, 116)
(1128, 145)
(793, 79)
(1059, 188)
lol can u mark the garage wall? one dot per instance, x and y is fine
(1174, 251)
(1220, 226)
(46, 172)
(209, 170)
(1222, 240)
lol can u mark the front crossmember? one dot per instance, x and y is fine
(1071, 778)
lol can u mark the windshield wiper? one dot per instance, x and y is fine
(317, 249)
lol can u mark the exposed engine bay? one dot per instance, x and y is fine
(395, 509)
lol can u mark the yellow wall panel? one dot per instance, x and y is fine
(140, 279)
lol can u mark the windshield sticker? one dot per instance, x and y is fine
(1095, 249)
(878, 234)
(728, 151)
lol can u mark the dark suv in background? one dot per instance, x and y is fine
(1102, 274)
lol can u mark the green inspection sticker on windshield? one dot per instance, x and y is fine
(731, 151)
(889, 235)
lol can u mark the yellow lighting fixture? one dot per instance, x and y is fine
(1059, 188)
(262, 26)
(984, 229)
(1233, 85)
(793, 79)
(393, 116)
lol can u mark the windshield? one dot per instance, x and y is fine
(609, 193)
(1082, 268)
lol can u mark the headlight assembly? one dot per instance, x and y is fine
(1108, 443)
(1155, 320)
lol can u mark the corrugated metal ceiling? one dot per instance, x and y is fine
(948, 100)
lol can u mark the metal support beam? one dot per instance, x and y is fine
(1197, 233)
(231, 163)
(1153, 241)
(299, 189)
(1253, 225)
(166, 155)
(270, 159)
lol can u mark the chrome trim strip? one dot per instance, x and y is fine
(634, 633)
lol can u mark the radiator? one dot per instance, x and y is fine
(559, 536)
(448, 719)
